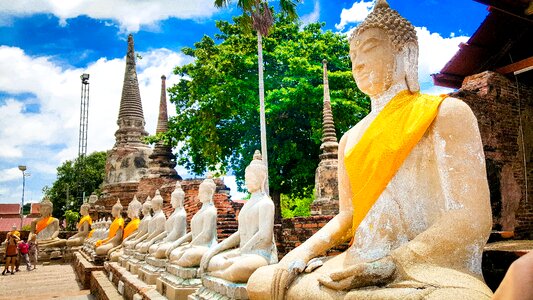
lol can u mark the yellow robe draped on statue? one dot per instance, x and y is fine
(43, 223)
(384, 146)
(131, 227)
(87, 218)
(117, 224)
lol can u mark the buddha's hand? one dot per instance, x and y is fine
(284, 275)
(378, 272)
(204, 263)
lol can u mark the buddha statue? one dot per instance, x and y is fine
(143, 225)
(413, 192)
(46, 228)
(84, 227)
(115, 234)
(131, 229)
(188, 250)
(156, 225)
(252, 246)
(175, 226)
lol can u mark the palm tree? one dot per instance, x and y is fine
(257, 13)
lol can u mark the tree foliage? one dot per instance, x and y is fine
(217, 108)
(84, 174)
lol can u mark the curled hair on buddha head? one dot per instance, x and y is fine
(209, 182)
(118, 205)
(258, 164)
(46, 202)
(401, 34)
(157, 198)
(147, 203)
(135, 205)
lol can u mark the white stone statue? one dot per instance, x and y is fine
(84, 226)
(143, 226)
(187, 251)
(130, 231)
(46, 228)
(253, 245)
(115, 234)
(418, 234)
(156, 225)
(176, 225)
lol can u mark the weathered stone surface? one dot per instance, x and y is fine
(216, 288)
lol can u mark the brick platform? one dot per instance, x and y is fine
(83, 269)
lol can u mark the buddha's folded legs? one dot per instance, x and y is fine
(192, 257)
(236, 268)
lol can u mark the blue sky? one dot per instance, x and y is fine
(46, 46)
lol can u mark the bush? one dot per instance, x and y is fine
(72, 218)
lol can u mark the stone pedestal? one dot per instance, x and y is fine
(125, 257)
(216, 288)
(153, 268)
(177, 282)
(51, 253)
(135, 262)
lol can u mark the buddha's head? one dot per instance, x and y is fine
(384, 51)
(207, 189)
(116, 209)
(84, 209)
(147, 206)
(46, 207)
(255, 174)
(133, 208)
(177, 196)
(157, 201)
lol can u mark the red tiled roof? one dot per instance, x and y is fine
(35, 208)
(7, 223)
(9, 209)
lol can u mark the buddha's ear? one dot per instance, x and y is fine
(411, 67)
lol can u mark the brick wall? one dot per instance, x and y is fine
(495, 100)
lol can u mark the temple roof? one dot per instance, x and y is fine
(130, 102)
(502, 43)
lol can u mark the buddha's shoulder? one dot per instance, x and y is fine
(454, 110)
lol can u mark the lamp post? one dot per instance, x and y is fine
(22, 168)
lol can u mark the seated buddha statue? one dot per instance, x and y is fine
(142, 232)
(115, 234)
(84, 227)
(413, 192)
(156, 225)
(131, 229)
(188, 250)
(252, 246)
(46, 228)
(175, 226)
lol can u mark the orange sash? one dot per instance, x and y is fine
(91, 233)
(117, 224)
(43, 223)
(373, 162)
(87, 218)
(131, 227)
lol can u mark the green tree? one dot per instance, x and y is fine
(216, 121)
(257, 14)
(84, 174)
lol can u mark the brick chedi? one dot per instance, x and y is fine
(127, 162)
(326, 184)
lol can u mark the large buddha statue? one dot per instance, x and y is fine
(84, 227)
(252, 246)
(175, 226)
(115, 234)
(156, 225)
(46, 228)
(143, 226)
(130, 231)
(188, 250)
(413, 193)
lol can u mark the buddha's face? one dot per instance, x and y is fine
(115, 211)
(156, 205)
(45, 211)
(373, 61)
(205, 193)
(146, 210)
(253, 179)
(84, 210)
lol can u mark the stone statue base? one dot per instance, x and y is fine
(178, 282)
(153, 268)
(216, 288)
(51, 253)
(125, 257)
(135, 262)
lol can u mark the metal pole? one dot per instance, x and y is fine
(22, 207)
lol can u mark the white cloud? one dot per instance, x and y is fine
(313, 16)
(357, 13)
(130, 15)
(44, 139)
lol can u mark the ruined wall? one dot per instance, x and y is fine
(495, 100)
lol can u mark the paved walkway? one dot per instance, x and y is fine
(45, 282)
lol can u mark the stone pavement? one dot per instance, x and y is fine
(45, 282)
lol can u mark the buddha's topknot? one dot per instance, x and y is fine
(399, 30)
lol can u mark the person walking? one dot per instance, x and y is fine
(23, 248)
(33, 250)
(11, 254)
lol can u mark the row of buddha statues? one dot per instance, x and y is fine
(413, 199)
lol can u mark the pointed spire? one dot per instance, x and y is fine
(329, 138)
(162, 121)
(130, 116)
